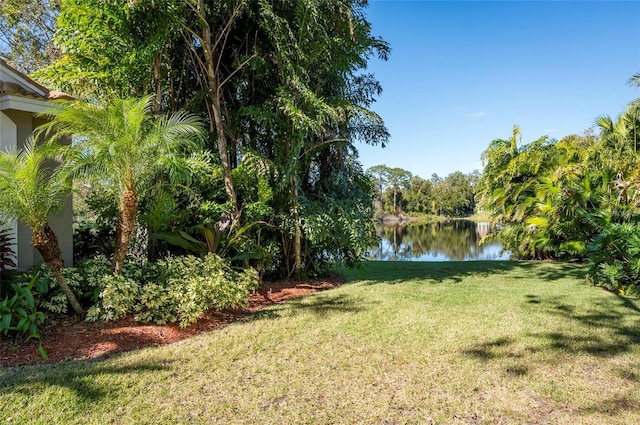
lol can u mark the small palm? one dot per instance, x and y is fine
(31, 192)
(123, 144)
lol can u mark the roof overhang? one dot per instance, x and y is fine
(19, 92)
(23, 103)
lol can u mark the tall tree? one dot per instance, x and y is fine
(399, 179)
(122, 143)
(211, 30)
(26, 32)
(420, 196)
(32, 192)
(282, 81)
(322, 105)
(379, 174)
(454, 195)
(112, 48)
(507, 188)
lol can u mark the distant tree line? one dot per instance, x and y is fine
(398, 191)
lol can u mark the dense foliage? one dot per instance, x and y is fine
(282, 89)
(275, 188)
(7, 255)
(173, 290)
(577, 198)
(123, 147)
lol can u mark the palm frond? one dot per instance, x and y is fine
(29, 189)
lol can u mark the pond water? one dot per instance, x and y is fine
(456, 240)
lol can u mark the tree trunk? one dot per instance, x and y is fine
(157, 77)
(124, 228)
(395, 208)
(216, 110)
(298, 266)
(46, 242)
(225, 159)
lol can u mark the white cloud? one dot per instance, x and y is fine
(476, 115)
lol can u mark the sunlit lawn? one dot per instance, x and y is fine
(469, 343)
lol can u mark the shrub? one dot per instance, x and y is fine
(84, 281)
(180, 289)
(614, 258)
(177, 289)
(19, 314)
(87, 281)
(6, 252)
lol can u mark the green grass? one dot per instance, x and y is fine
(467, 343)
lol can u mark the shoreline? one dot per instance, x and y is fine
(402, 218)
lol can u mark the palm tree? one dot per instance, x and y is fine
(122, 144)
(622, 137)
(32, 192)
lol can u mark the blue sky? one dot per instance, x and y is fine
(462, 73)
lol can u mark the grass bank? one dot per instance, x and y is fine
(473, 342)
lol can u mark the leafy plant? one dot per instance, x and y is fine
(614, 258)
(6, 252)
(124, 144)
(178, 289)
(6, 257)
(20, 315)
(31, 191)
(91, 240)
(214, 239)
(87, 281)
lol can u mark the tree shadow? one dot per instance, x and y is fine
(491, 349)
(393, 273)
(615, 318)
(77, 376)
(614, 406)
(321, 305)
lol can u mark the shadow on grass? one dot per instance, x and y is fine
(614, 406)
(323, 305)
(392, 273)
(79, 377)
(609, 327)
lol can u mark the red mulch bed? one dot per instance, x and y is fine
(68, 338)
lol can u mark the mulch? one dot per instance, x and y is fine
(67, 337)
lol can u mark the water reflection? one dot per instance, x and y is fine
(451, 241)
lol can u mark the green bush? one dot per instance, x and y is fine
(19, 314)
(182, 290)
(88, 280)
(118, 298)
(7, 257)
(614, 258)
(90, 241)
(84, 281)
(177, 289)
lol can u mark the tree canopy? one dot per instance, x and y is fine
(282, 88)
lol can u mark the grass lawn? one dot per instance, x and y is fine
(467, 343)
